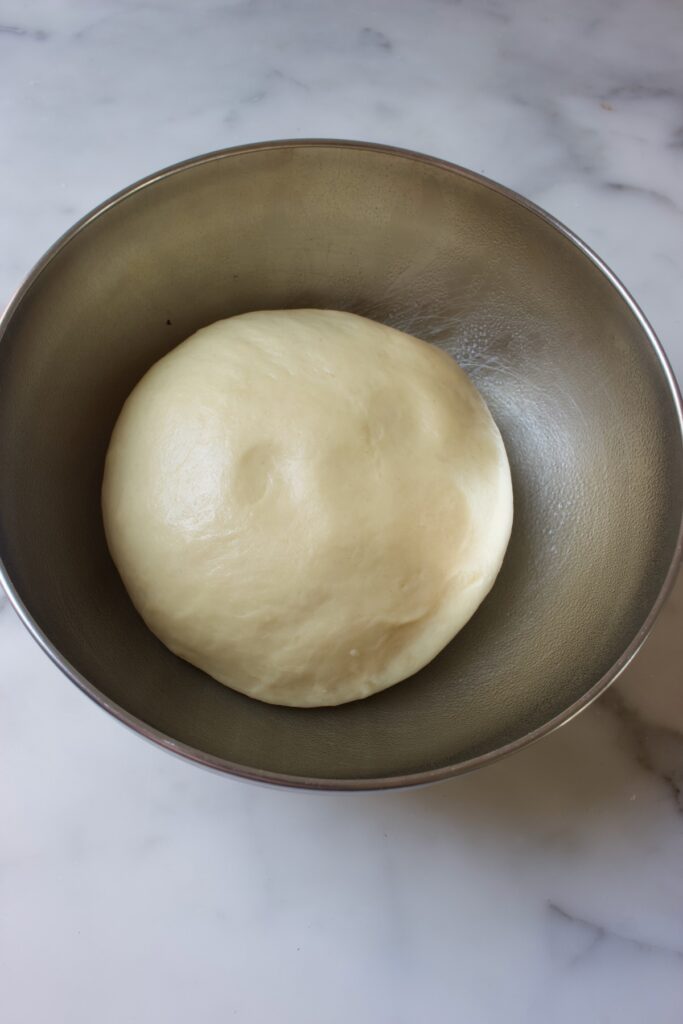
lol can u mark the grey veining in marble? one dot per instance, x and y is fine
(546, 889)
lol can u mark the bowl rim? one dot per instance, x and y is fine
(418, 778)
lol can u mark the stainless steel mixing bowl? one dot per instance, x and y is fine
(571, 370)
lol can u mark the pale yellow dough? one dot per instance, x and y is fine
(306, 504)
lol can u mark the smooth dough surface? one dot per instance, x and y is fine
(306, 504)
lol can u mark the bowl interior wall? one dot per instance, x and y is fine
(580, 397)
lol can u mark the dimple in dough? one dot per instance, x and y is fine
(306, 504)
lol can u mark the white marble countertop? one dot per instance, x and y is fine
(549, 888)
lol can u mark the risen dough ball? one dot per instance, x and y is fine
(306, 504)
